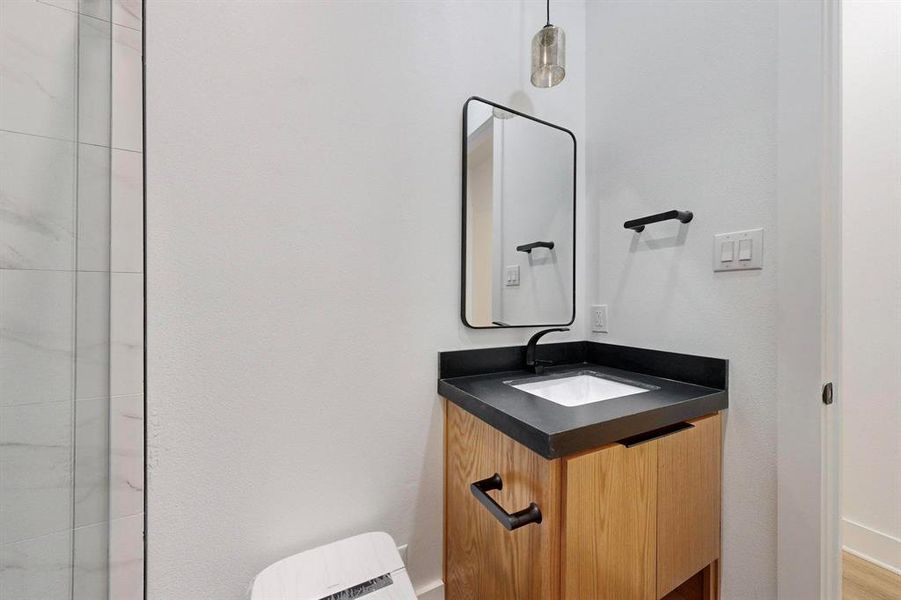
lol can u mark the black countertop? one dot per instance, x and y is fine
(682, 387)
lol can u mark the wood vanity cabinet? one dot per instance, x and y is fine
(639, 522)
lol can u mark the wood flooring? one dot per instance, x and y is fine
(862, 580)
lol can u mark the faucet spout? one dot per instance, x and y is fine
(533, 364)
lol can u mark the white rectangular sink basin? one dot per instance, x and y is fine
(578, 389)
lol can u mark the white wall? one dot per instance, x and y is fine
(682, 114)
(871, 351)
(303, 206)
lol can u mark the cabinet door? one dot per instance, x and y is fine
(610, 524)
(689, 465)
(483, 560)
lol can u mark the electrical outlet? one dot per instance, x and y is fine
(599, 318)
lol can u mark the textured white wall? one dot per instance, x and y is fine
(682, 114)
(871, 352)
(303, 209)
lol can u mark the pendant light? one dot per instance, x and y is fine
(548, 54)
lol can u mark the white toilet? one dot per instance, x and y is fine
(364, 566)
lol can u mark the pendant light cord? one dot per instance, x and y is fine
(548, 13)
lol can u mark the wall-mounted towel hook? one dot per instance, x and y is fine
(529, 247)
(637, 225)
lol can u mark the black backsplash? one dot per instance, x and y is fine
(700, 370)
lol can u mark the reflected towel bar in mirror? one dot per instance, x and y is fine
(529, 247)
(637, 225)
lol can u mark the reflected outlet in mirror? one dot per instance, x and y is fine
(576, 389)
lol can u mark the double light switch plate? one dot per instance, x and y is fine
(738, 251)
(511, 276)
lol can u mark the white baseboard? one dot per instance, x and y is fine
(431, 591)
(874, 546)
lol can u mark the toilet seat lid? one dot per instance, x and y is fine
(366, 566)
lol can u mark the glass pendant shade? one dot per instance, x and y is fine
(548, 57)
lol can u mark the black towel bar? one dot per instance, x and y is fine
(529, 247)
(638, 224)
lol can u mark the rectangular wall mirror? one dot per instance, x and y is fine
(519, 219)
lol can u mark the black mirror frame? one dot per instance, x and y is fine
(463, 224)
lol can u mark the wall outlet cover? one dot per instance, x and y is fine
(599, 318)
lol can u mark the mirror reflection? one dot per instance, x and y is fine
(519, 219)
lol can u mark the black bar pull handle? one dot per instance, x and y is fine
(520, 518)
(529, 247)
(684, 216)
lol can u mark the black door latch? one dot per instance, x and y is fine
(827, 393)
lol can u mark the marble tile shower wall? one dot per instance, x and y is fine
(71, 306)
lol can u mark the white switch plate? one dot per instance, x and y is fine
(738, 239)
(511, 275)
(599, 318)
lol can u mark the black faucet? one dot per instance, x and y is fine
(532, 363)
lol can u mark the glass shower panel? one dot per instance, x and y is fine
(90, 472)
(71, 306)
